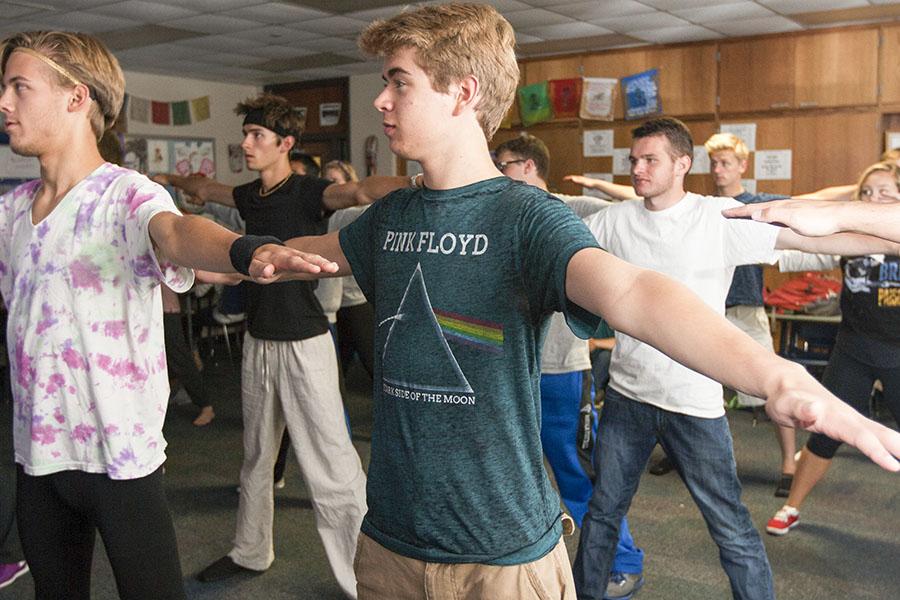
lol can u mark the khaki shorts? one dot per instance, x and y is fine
(382, 575)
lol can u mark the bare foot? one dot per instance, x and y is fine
(206, 415)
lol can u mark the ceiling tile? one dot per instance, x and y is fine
(82, 21)
(505, 6)
(276, 52)
(789, 7)
(724, 12)
(524, 38)
(566, 30)
(269, 34)
(657, 20)
(144, 35)
(755, 26)
(336, 25)
(670, 35)
(231, 59)
(214, 24)
(676, 4)
(13, 10)
(222, 43)
(371, 14)
(332, 44)
(276, 12)
(587, 11)
(71, 4)
(534, 17)
(212, 6)
(145, 12)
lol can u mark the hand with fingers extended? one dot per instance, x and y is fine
(812, 218)
(273, 262)
(803, 402)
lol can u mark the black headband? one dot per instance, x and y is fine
(256, 116)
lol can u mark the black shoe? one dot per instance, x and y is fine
(784, 486)
(223, 569)
(661, 467)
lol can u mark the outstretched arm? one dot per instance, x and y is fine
(823, 217)
(615, 191)
(202, 189)
(367, 191)
(640, 303)
(197, 242)
(837, 192)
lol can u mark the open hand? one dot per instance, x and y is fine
(807, 217)
(273, 262)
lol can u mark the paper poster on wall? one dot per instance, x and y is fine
(329, 114)
(749, 185)
(235, 158)
(641, 94)
(13, 166)
(745, 131)
(135, 155)
(194, 157)
(772, 164)
(598, 98)
(157, 156)
(596, 193)
(700, 164)
(891, 140)
(598, 142)
(621, 164)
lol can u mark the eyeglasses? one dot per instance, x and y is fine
(501, 166)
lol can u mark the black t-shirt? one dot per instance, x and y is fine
(870, 298)
(286, 311)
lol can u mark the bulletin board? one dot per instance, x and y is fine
(164, 154)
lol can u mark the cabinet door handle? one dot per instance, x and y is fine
(779, 105)
(808, 104)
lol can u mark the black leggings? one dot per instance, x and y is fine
(58, 515)
(355, 325)
(851, 380)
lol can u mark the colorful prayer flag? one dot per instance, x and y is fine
(181, 113)
(534, 103)
(565, 94)
(160, 111)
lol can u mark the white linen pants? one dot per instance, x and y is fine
(753, 321)
(296, 384)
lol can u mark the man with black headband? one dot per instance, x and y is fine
(289, 372)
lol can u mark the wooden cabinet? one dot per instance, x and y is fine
(687, 79)
(834, 149)
(890, 65)
(756, 75)
(773, 133)
(837, 68)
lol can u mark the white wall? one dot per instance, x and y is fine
(366, 121)
(223, 125)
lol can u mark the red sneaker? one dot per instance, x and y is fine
(784, 520)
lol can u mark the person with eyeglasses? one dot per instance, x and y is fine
(867, 346)
(566, 382)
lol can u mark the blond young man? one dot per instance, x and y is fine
(83, 251)
(463, 274)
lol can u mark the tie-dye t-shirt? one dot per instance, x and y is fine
(85, 332)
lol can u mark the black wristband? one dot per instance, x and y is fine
(242, 249)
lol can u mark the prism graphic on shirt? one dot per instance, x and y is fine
(414, 333)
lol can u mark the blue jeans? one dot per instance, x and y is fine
(702, 452)
(560, 401)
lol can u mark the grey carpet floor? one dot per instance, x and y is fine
(848, 545)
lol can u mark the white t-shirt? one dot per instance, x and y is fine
(335, 293)
(694, 244)
(85, 333)
(563, 351)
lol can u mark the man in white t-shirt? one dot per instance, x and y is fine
(83, 251)
(564, 362)
(651, 397)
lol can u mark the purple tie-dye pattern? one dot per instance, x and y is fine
(87, 397)
(54, 383)
(47, 321)
(44, 434)
(73, 358)
(82, 433)
(145, 266)
(25, 371)
(85, 274)
(122, 368)
(114, 329)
